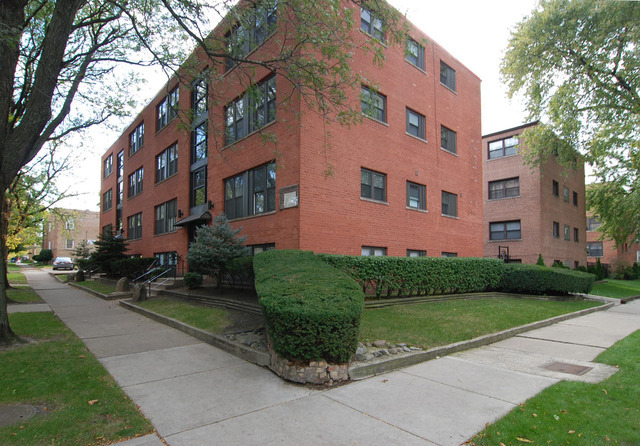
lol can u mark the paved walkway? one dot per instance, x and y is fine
(195, 394)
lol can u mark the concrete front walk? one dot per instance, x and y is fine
(195, 394)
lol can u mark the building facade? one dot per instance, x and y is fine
(611, 256)
(65, 229)
(528, 210)
(404, 182)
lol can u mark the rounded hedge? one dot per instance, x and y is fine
(534, 279)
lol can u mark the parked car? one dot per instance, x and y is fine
(63, 263)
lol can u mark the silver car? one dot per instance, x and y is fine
(63, 263)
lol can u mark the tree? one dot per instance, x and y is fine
(82, 251)
(59, 70)
(577, 66)
(540, 261)
(109, 249)
(215, 247)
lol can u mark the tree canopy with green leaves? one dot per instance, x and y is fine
(576, 63)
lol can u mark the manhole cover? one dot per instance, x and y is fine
(14, 414)
(571, 369)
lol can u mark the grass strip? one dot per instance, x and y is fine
(23, 294)
(79, 402)
(432, 324)
(617, 288)
(17, 278)
(212, 320)
(100, 287)
(579, 413)
(12, 267)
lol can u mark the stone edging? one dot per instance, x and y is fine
(239, 350)
(359, 371)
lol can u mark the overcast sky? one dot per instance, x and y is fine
(475, 32)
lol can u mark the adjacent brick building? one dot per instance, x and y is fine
(528, 210)
(611, 256)
(406, 181)
(65, 229)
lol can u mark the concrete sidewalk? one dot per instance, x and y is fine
(195, 394)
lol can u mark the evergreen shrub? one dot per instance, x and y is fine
(131, 268)
(534, 279)
(404, 276)
(193, 280)
(312, 310)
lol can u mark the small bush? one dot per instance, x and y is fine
(193, 280)
(598, 270)
(45, 256)
(534, 279)
(130, 268)
(540, 261)
(312, 310)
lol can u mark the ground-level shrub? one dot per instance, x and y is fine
(403, 276)
(131, 268)
(534, 279)
(312, 310)
(193, 280)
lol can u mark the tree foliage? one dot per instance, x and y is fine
(576, 63)
(108, 250)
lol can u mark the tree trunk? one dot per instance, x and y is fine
(6, 334)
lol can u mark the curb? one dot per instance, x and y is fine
(367, 370)
(239, 350)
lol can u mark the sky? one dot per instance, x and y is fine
(474, 32)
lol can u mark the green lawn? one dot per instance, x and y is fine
(80, 403)
(213, 320)
(617, 288)
(12, 267)
(100, 287)
(23, 294)
(17, 278)
(579, 413)
(433, 324)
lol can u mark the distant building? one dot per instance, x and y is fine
(610, 255)
(64, 229)
(531, 211)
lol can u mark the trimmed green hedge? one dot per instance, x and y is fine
(402, 276)
(534, 279)
(312, 310)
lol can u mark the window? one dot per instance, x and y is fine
(372, 25)
(447, 76)
(200, 97)
(503, 147)
(134, 226)
(374, 251)
(373, 185)
(556, 229)
(199, 187)
(505, 230)
(120, 164)
(414, 53)
(107, 200)
(252, 192)
(594, 249)
(449, 204)
(504, 188)
(135, 182)
(119, 192)
(70, 224)
(168, 109)
(166, 259)
(448, 139)
(108, 165)
(565, 194)
(136, 139)
(166, 216)
(416, 253)
(567, 232)
(199, 143)
(555, 188)
(107, 230)
(373, 104)
(576, 235)
(167, 163)
(257, 249)
(449, 254)
(70, 244)
(593, 223)
(416, 124)
(255, 109)
(575, 198)
(416, 196)
(254, 30)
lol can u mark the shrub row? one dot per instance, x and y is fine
(131, 268)
(534, 279)
(312, 310)
(402, 276)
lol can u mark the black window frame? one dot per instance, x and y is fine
(166, 215)
(450, 255)
(198, 187)
(120, 164)
(593, 223)
(598, 252)
(252, 111)
(419, 130)
(136, 182)
(505, 230)
(565, 194)
(507, 148)
(372, 25)
(136, 139)
(107, 200)
(448, 140)
(134, 226)
(447, 204)
(252, 191)
(200, 142)
(417, 60)
(556, 229)
(567, 233)
(255, 28)
(261, 247)
(371, 191)
(417, 252)
(500, 189)
(200, 98)
(555, 188)
(575, 198)
(167, 109)
(373, 250)
(416, 192)
(370, 101)
(169, 165)
(447, 76)
(108, 166)
(576, 234)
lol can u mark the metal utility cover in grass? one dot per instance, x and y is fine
(13, 414)
(571, 369)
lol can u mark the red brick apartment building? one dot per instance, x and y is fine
(66, 228)
(610, 255)
(531, 211)
(404, 182)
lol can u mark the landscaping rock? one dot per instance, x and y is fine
(122, 285)
(380, 344)
(139, 292)
(80, 276)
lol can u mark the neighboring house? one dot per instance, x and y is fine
(404, 182)
(531, 211)
(610, 255)
(65, 229)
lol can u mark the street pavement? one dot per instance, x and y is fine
(196, 394)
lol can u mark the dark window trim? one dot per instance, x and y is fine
(505, 232)
(136, 183)
(447, 76)
(169, 167)
(448, 140)
(415, 60)
(368, 191)
(504, 150)
(504, 191)
(422, 196)
(446, 197)
(369, 26)
(369, 104)
(420, 130)
(252, 191)
(166, 224)
(134, 226)
(252, 111)
(136, 139)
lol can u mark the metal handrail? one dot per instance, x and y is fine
(148, 281)
(150, 269)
